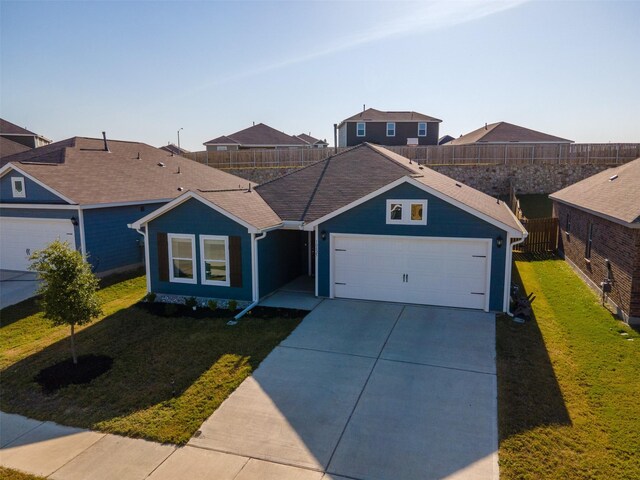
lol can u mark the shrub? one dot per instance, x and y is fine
(232, 305)
(213, 305)
(150, 297)
(191, 302)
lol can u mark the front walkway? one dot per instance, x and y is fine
(298, 294)
(360, 390)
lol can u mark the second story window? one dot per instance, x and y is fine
(391, 129)
(422, 129)
(361, 130)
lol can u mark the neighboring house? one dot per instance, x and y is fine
(312, 142)
(503, 132)
(599, 221)
(174, 149)
(9, 147)
(21, 135)
(388, 128)
(445, 139)
(79, 191)
(257, 136)
(367, 223)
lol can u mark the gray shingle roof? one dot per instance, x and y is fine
(612, 193)
(503, 132)
(373, 115)
(259, 134)
(9, 147)
(82, 171)
(11, 128)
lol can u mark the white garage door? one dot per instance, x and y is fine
(432, 271)
(20, 237)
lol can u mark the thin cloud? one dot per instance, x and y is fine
(425, 18)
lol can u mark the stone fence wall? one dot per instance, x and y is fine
(491, 179)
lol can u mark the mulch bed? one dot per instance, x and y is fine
(66, 373)
(177, 310)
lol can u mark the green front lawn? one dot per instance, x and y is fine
(568, 384)
(168, 375)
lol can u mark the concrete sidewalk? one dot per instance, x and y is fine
(65, 453)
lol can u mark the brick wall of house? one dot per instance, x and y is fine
(612, 241)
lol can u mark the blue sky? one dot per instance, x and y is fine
(141, 70)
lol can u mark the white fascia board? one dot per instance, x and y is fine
(124, 204)
(183, 198)
(406, 179)
(11, 166)
(597, 214)
(40, 206)
(292, 225)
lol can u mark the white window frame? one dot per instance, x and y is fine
(406, 212)
(425, 129)
(203, 267)
(364, 129)
(221, 149)
(392, 125)
(188, 236)
(14, 191)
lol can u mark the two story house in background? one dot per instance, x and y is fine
(388, 128)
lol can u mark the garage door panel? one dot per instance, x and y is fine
(20, 237)
(442, 271)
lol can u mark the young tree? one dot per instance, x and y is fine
(68, 287)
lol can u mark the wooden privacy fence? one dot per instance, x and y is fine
(507, 154)
(543, 235)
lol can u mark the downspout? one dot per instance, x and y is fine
(518, 242)
(146, 257)
(83, 245)
(255, 285)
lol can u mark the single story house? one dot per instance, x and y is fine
(599, 220)
(86, 191)
(259, 136)
(393, 128)
(174, 149)
(312, 141)
(502, 133)
(366, 223)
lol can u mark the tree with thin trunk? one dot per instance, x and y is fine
(69, 287)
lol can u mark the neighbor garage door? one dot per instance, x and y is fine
(432, 271)
(19, 237)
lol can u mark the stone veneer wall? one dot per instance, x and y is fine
(491, 179)
(612, 241)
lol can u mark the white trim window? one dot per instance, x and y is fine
(361, 129)
(18, 187)
(391, 129)
(406, 212)
(221, 148)
(214, 260)
(182, 258)
(422, 129)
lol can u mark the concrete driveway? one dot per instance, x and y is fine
(16, 287)
(370, 390)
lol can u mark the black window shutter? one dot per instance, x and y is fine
(163, 257)
(235, 261)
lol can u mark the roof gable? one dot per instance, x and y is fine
(503, 132)
(373, 115)
(612, 193)
(7, 127)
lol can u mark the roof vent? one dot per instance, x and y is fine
(139, 157)
(420, 167)
(178, 172)
(458, 185)
(180, 189)
(160, 164)
(104, 137)
(612, 178)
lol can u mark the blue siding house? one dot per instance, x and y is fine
(365, 223)
(86, 191)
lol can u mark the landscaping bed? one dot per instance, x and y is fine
(169, 373)
(568, 383)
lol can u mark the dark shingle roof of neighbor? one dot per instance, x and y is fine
(503, 132)
(9, 147)
(309, 139)
(173, 148)
(373, 115)
(319, 189)
(260, 134)
(11, 128)
(614, 193)
(80, 169)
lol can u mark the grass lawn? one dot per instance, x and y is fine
(168, 374)
(536, 205)
(10, 474)
(568, 384)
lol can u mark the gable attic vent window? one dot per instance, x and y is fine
(17, 187)
(406, 212)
